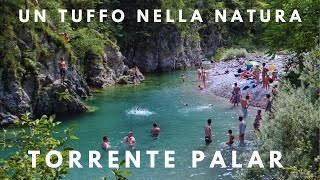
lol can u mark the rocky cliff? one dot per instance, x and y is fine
(38, 89)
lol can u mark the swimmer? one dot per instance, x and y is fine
(155, 131)
(210, 105)
(183, 78)
(105, 143)
(231, 138)
(208, 132)
(129, 139)
(201, 87)
(183, 103)
(242, 129)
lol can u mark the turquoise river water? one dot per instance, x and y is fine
(182, 127)
(113, 114)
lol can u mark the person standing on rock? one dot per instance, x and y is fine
(268, 105)
(236, 95)
(264, 73)
(63, 69)
(245, 104)
(256, 72)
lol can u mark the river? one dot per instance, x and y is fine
(182, 127)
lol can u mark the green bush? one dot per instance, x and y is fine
(294, 129)
(40, 134)
(229, 54)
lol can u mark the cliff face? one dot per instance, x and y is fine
(165, 50)
(40, 91)
(29, 76)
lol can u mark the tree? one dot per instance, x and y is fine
(294, 130)
(40, 134)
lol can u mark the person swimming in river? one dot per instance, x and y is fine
(155, 131)
(231, 138)
(256, 123)
(129, 139)
(201, 87)
(183, 103)
(105, 145)
(136, 110)
(210, 105)
(183, 78)
(236, 94)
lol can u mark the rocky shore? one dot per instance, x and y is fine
(222, 77)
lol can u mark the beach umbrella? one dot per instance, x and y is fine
(252, 63)
(272, 67)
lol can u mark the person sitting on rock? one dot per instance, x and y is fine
(63, 69)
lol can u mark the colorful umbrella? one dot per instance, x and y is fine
(252, 63)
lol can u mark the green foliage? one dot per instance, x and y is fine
(40, 134)
(296, 37)
(229, 54)
(295, 128)
(119, 174)
(64, 96)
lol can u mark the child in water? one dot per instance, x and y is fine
(183, 78)
(105, 143)
(231, 138)
(256, 123)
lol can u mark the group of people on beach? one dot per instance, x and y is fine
(237, 98)
(129, 139)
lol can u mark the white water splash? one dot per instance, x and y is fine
(139, 112)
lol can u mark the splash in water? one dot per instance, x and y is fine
(139, 112)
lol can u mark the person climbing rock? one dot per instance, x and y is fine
(66, 37)
(63, 69)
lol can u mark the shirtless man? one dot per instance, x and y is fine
(208, 132)
(201, 87)
(242, 129)
(264, 73)
(231, 138)
(245, 104)
(256, 73)
(236, 94)
(105, 143)
(199, 73)
(155, 131)
(204, 78)
(63, 69)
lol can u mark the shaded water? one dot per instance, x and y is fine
(182, 128)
